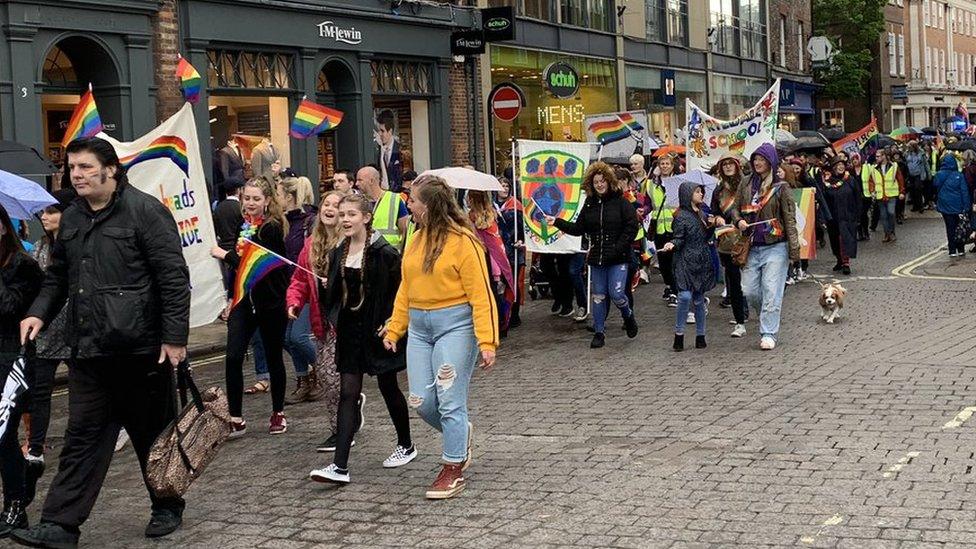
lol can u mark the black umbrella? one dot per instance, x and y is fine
(806, 142)
(886, 141)
(929, 130)
(963, 145)
(23, 160)
(833, 134)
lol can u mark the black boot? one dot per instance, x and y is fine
(679, 343)
(515, 320)
(163, 522)
(630, 324)
(46, 534)
(700, 342)
(14, 517)
(598, 341)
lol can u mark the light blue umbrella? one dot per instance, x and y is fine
(698, 177)
(22, 198)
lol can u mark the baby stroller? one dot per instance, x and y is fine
(538, 284)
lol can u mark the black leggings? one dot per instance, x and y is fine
(733, 283)
(40, 402)
(665, 261)
(350, 387)
(240, 328)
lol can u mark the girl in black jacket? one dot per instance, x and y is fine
(364, 275)
(262, 309)
(20, 282)
(609, 222)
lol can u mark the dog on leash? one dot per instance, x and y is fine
(832, 297)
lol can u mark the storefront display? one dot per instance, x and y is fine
(547, 116)
(646, 90)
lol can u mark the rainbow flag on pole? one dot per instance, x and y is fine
(313, 119)
(608, 131)
(85, 121)
(256, 262)
(190, 81)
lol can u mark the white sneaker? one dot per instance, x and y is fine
(767, 343)
(32, 459)
(581, 314)
(803, 275)
(790, 281)
(400, 456)
(330, 474)
(122, 440)
(691, 317)
(739, 330)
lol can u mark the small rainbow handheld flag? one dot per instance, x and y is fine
(256, 262)
(85, 121)
(313, 119)
(724, 230)
(608, 131)
(190, 81)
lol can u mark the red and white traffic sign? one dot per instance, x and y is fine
(506, 102)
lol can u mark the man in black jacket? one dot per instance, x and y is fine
(119, 257)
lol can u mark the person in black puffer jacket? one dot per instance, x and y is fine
(609, 222)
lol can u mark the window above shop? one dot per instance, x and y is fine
(394, 77)
(666, 21)
(739, 27)
(58, 70)
(591, 14)
(249, 70)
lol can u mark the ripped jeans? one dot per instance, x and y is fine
(441, 355)
(608, 282)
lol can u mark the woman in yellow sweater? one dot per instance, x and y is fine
(445, 300)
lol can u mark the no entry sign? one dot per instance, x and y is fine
(506, 102)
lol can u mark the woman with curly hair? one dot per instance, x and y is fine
(609, 222)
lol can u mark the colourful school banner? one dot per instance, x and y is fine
(709, 138)
(551, 183)
(861, 141)
(165, 163)
(805, 221)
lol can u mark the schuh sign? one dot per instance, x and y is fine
(561, 79)
(498, 23)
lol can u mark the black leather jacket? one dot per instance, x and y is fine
(610, 224)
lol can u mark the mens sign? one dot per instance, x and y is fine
(561, 79)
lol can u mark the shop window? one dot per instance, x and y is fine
(678, 21)
(392, 77)
(752, 29)
(58, 70)
(725, 25)
(654, 19)
(250, 70)
(832, 118)
(322, 83)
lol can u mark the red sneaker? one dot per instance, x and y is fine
(449, 483)
(278, 423)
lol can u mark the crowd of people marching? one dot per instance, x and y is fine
(393, 275)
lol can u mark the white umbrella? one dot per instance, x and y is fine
(697, 177)
(464, 178)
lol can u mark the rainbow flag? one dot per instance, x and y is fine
(806, 221)
(84, 122)
(256, 262)
(190, 81)
(313, 119)
(166, 146)
(724, 230)
(621, 127)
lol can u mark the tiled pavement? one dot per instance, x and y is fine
(842, 437)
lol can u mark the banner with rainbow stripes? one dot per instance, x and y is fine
(313, 119)
(85, 121)
(620, 135)
(805, 221)
(170, 147)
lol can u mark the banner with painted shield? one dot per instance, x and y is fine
(165, 163)
(709, 138)
(551, 183)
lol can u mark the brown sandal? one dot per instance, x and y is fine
(260, 386)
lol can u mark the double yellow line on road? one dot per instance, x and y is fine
(907, 270)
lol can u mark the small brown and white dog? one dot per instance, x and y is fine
(831, 301)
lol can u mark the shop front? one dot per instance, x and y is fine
(555, 107)
(53, 50)
(662, 93)
(796, 106)
(377, 70)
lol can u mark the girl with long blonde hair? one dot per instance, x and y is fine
(313, 262)
(485, 219)
(446, 300)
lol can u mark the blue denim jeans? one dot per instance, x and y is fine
(577, 266)
(441, 356)
(298, 343)
(763, 283)
(887, 211)
(608, 281)
(685, 299)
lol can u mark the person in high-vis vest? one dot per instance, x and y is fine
(892, 190)
(871, 184)
(390, 213)
(661, 217)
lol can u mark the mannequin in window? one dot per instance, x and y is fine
(388, 155)
(229, 167)
(263, 158)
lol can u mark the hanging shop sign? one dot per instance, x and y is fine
(668, 98)
(498, 23)
(467, 42)
(506, 101)
(561, 79)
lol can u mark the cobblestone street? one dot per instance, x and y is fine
(847, 435)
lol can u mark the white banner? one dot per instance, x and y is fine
(708, 138)
(620, 135)
(165, 163)
(551, 182)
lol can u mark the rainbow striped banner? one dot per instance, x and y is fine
(190, 81)
(256, 262)
(166, 146)
(621, 127)
(85, 121)
(313, 119)
(806, 211)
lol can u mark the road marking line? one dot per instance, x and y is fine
(960, 418)
(832, 521)
(901, 464)
(907, 270)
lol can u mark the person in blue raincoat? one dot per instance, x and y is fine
(954, 203)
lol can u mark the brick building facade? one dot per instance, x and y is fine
(790, 27)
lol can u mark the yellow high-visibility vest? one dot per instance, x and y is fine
(890, 182)
(662, 214)
(385, 218)
(871, 175)
(411, 232)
